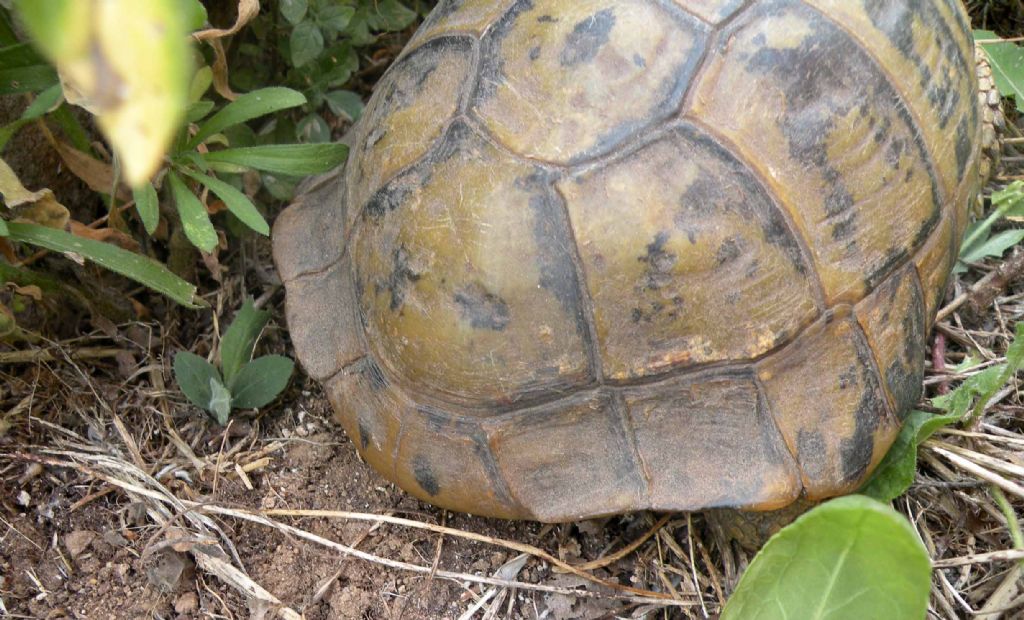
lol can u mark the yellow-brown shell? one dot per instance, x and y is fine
(610, 255)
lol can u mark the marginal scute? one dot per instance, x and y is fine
(893, 319)
(411, 107)
(566, 81)
(933, 263)
(709, 441)
(921, 47)
(826, 399)
(460, 16)
(321, 312)
(427, 453)
(675, 229)
(712, 11)
(308, 235)
(842, 155)
(601, 478)
(445, 309)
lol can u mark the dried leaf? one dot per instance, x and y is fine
(37, 207)
(106, 235)
(98, 175)
(247, 10)
(46, 212)
(220, 71)
(31, 290)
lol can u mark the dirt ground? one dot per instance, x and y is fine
(118, 499)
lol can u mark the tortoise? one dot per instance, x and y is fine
(603, 256)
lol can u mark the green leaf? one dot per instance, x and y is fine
(314, 129)
(148, 206)
(390, 15)
(129, 264)
(335, 17)
(294, 10)
(194, 375)
(260, 381)
(345, 103)
(896, 472)
(291, 159)
(306, 43)
(20, 55)
(3, 229)
(239, 340)
(198, 110)
(195, 15)
(44, 102)
(1007, 60)
(850, 558)
(220, 402)
(247, 107)
(194, 218)
(14, 80)
(993, 247)
(237, 202)
(200, 83)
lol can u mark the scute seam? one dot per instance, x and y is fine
(817, 286)
(912, 115)
(762, 397)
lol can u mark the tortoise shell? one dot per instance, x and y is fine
(602, 256)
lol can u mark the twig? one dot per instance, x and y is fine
(1007, 555)
(981, 472)
(621, 553)
(509, 544)
(35, 356)
(985, 290)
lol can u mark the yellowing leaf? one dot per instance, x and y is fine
(38, 207)
(126, 61)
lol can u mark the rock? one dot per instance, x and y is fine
(186, 603)
(168, 570)
(78, 541)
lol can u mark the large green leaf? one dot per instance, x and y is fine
(1007, 60)
(127, 62)
(237, 202)
(260, 381)
(239, 340)
(194, 218)
(291, 159)
(851, 558)
(135, 266)
(247, 107)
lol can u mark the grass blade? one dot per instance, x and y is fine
(290, 159)
(246, 107)
(237, 202)
(135, 266)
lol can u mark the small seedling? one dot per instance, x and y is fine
(241, 382)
